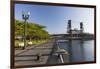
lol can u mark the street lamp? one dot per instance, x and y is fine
(25, 17)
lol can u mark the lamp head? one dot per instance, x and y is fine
(28, 13)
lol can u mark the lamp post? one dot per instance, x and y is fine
(25, 17)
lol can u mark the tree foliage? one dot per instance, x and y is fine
(33, 30)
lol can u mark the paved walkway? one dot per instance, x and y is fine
(28, 56)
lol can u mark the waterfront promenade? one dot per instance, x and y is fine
(29, 55)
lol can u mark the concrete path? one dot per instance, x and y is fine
(28, 56)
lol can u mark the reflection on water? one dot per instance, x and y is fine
(78, 51)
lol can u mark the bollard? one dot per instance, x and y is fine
(38, 56)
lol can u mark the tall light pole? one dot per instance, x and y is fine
(25, 17)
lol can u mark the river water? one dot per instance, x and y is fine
(78, 51)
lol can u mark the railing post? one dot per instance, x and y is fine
(61, 58)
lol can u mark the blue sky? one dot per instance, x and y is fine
(55, 18)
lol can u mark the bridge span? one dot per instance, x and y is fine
(84, 36)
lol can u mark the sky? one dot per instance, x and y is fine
(55, 18)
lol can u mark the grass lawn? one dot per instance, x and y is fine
(19, 43)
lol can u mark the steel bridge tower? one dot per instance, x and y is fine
(69, 26)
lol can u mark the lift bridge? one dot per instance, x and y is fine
(84, 36)
(74, 34)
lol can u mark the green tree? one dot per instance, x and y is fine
(34, 31)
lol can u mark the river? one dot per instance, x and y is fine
(78, 51)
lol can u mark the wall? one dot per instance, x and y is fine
(5, 34)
